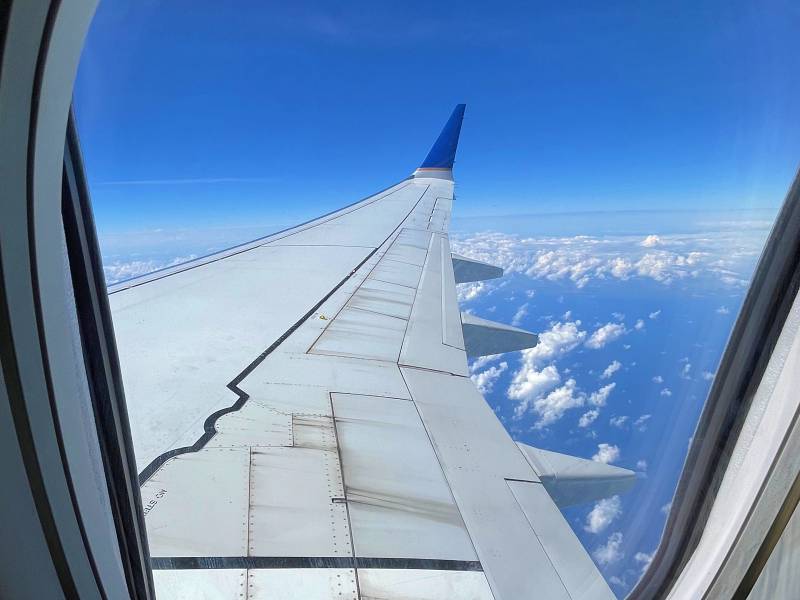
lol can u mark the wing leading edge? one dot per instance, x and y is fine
(306, 424)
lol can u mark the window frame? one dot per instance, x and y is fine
(44, 182)
(53, 337)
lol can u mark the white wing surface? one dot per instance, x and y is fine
(305, 425)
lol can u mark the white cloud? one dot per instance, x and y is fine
(620, 267)
(482, 361)
(686, 370)
(708, 375)
(600, 397)
(666, 508)
(654, 315)
(121, 271)
(641, 465)
(650, 241)
(529, 384)
(553, 406)
(605, 335)
(606, 453)
(469, 291)
(530, 293)
(640, 424)
(611, 551)
(588, 417)
(644, 559)
(484, 380)
(620, 582)
(611, 369)
(618, 316)
(658, 379)
(531, 381)
(639, 325)
(560, 339)
(723, 310)
(558, 264)
(521, 313)
(666, 392)
(618, 421)
(656, 266)
(604, 512)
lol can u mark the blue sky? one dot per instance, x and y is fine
(632, 322)
(260, 114)
(653, 144)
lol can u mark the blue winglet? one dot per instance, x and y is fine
(443, 153)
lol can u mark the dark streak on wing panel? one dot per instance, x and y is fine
(310, 562)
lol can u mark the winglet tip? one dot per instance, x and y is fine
(442, 155)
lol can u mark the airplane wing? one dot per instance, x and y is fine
(305, 425)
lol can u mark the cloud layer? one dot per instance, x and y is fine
(117, 271)
(582, 259)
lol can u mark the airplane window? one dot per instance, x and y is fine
(623, 166)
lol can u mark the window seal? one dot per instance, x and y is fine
(103, 373)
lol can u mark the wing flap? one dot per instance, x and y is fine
(564, 551)
(433, 318)
(477, 457)
(178, 525)
(403, 584)
(399, 501)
